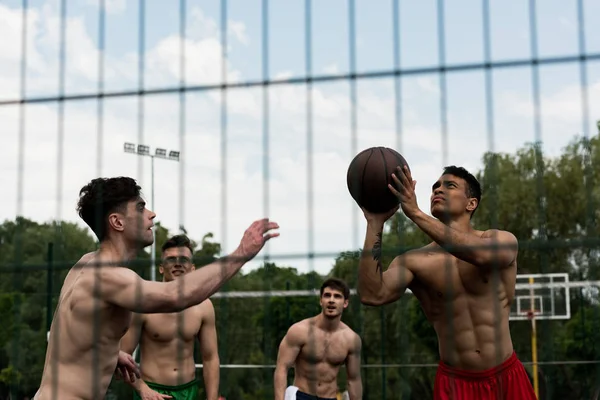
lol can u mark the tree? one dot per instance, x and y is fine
(550, 204)
(24, 284)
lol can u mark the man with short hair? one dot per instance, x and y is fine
(317, 347)
(98, 295)
(466, 274)
(166, 341)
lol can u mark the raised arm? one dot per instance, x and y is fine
(210, 351)
(354, 380)
(289, 348)
(376, 286)
(124, 288)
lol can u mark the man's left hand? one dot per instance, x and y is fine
(404, 190)
(127, 367)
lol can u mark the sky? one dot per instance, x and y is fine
(189, 193)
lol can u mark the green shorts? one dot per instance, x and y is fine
(187, 391)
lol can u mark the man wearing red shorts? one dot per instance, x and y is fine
(465, 282)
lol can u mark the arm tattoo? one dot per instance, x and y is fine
(377, 252)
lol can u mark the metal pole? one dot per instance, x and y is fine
(49, 275)
(534, 344)
(143, 150)
(153, 248)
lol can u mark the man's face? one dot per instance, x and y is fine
(138, 223)
(176, 261)
(333, 302)
(449, 198)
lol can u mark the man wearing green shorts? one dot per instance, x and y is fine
(166, 341)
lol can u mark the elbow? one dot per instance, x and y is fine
(280, 373)
(369, 299)
(354, 382)
(212, 358)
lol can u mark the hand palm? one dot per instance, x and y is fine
(256, 236)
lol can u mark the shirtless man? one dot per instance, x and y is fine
(317, 347)
(97, 299)
(465, 287)
(166, 341)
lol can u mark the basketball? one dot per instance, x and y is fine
(369, 173)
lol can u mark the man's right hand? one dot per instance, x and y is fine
(380, 218)
(255, 238)
(148, 394)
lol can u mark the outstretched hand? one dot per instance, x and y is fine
(255, 238)
(404, 190)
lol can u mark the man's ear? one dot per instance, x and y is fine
(116, 222)
(472, 204)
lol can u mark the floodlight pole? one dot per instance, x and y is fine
(534, 354)
(173, 156)
(153, 247)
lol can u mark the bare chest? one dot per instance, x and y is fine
(331, 349)
(444, 277)
(167, 327)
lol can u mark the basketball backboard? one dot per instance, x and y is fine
(545, 295)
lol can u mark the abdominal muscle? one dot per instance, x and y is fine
(170, 364)
(473, 332)
(318, 379)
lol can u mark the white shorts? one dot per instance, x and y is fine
(290, 393)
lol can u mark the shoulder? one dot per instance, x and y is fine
(119, 275)
(109, 279)
(298, 331)
(85, 259)
(500, 236)
(353, 339)
(351, 334)
(206, 305)
(206, 309)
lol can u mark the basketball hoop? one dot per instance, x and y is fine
(530, 314)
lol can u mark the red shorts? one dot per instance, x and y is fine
(506, 381)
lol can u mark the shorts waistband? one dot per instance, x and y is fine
(184, 386)
(475, 375)
(305, 396)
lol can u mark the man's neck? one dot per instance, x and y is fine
(118, 250)
(328, 324)
(461, 224)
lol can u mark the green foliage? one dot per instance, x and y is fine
(550, 204)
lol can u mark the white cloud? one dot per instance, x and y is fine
(238, 29)
(563, 105)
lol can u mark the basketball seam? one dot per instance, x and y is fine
(385, 169)
(362, 178)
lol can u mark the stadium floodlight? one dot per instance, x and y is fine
(129, 148)
(144, 150)
(174, 155)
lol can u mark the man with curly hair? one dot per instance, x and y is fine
(100, 292)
